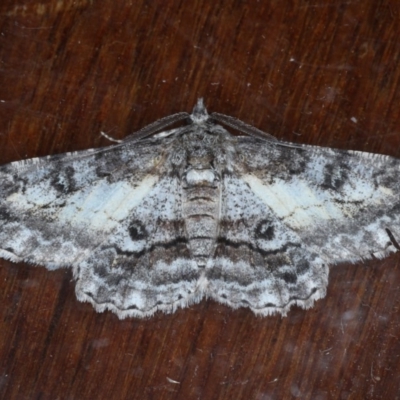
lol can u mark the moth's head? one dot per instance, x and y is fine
(199, 114)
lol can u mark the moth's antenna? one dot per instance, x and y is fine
(157, 126)
(243, 127)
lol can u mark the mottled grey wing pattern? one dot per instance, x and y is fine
(345, 205)
(110, 214)
(260, 261)
(46, 212)
(306, 207)
(156, 224)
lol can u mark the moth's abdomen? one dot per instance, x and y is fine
(201, 200)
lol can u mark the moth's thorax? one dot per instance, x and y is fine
(200, 177)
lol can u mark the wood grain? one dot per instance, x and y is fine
(315, 72)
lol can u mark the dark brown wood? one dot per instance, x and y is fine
(318, 72)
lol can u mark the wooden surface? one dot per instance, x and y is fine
(318, 72)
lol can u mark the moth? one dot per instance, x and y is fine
(170, 216)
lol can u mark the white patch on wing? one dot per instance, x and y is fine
(105, 204)
(301, 205)
(36, 196)
(294, 201)
(386, 191)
